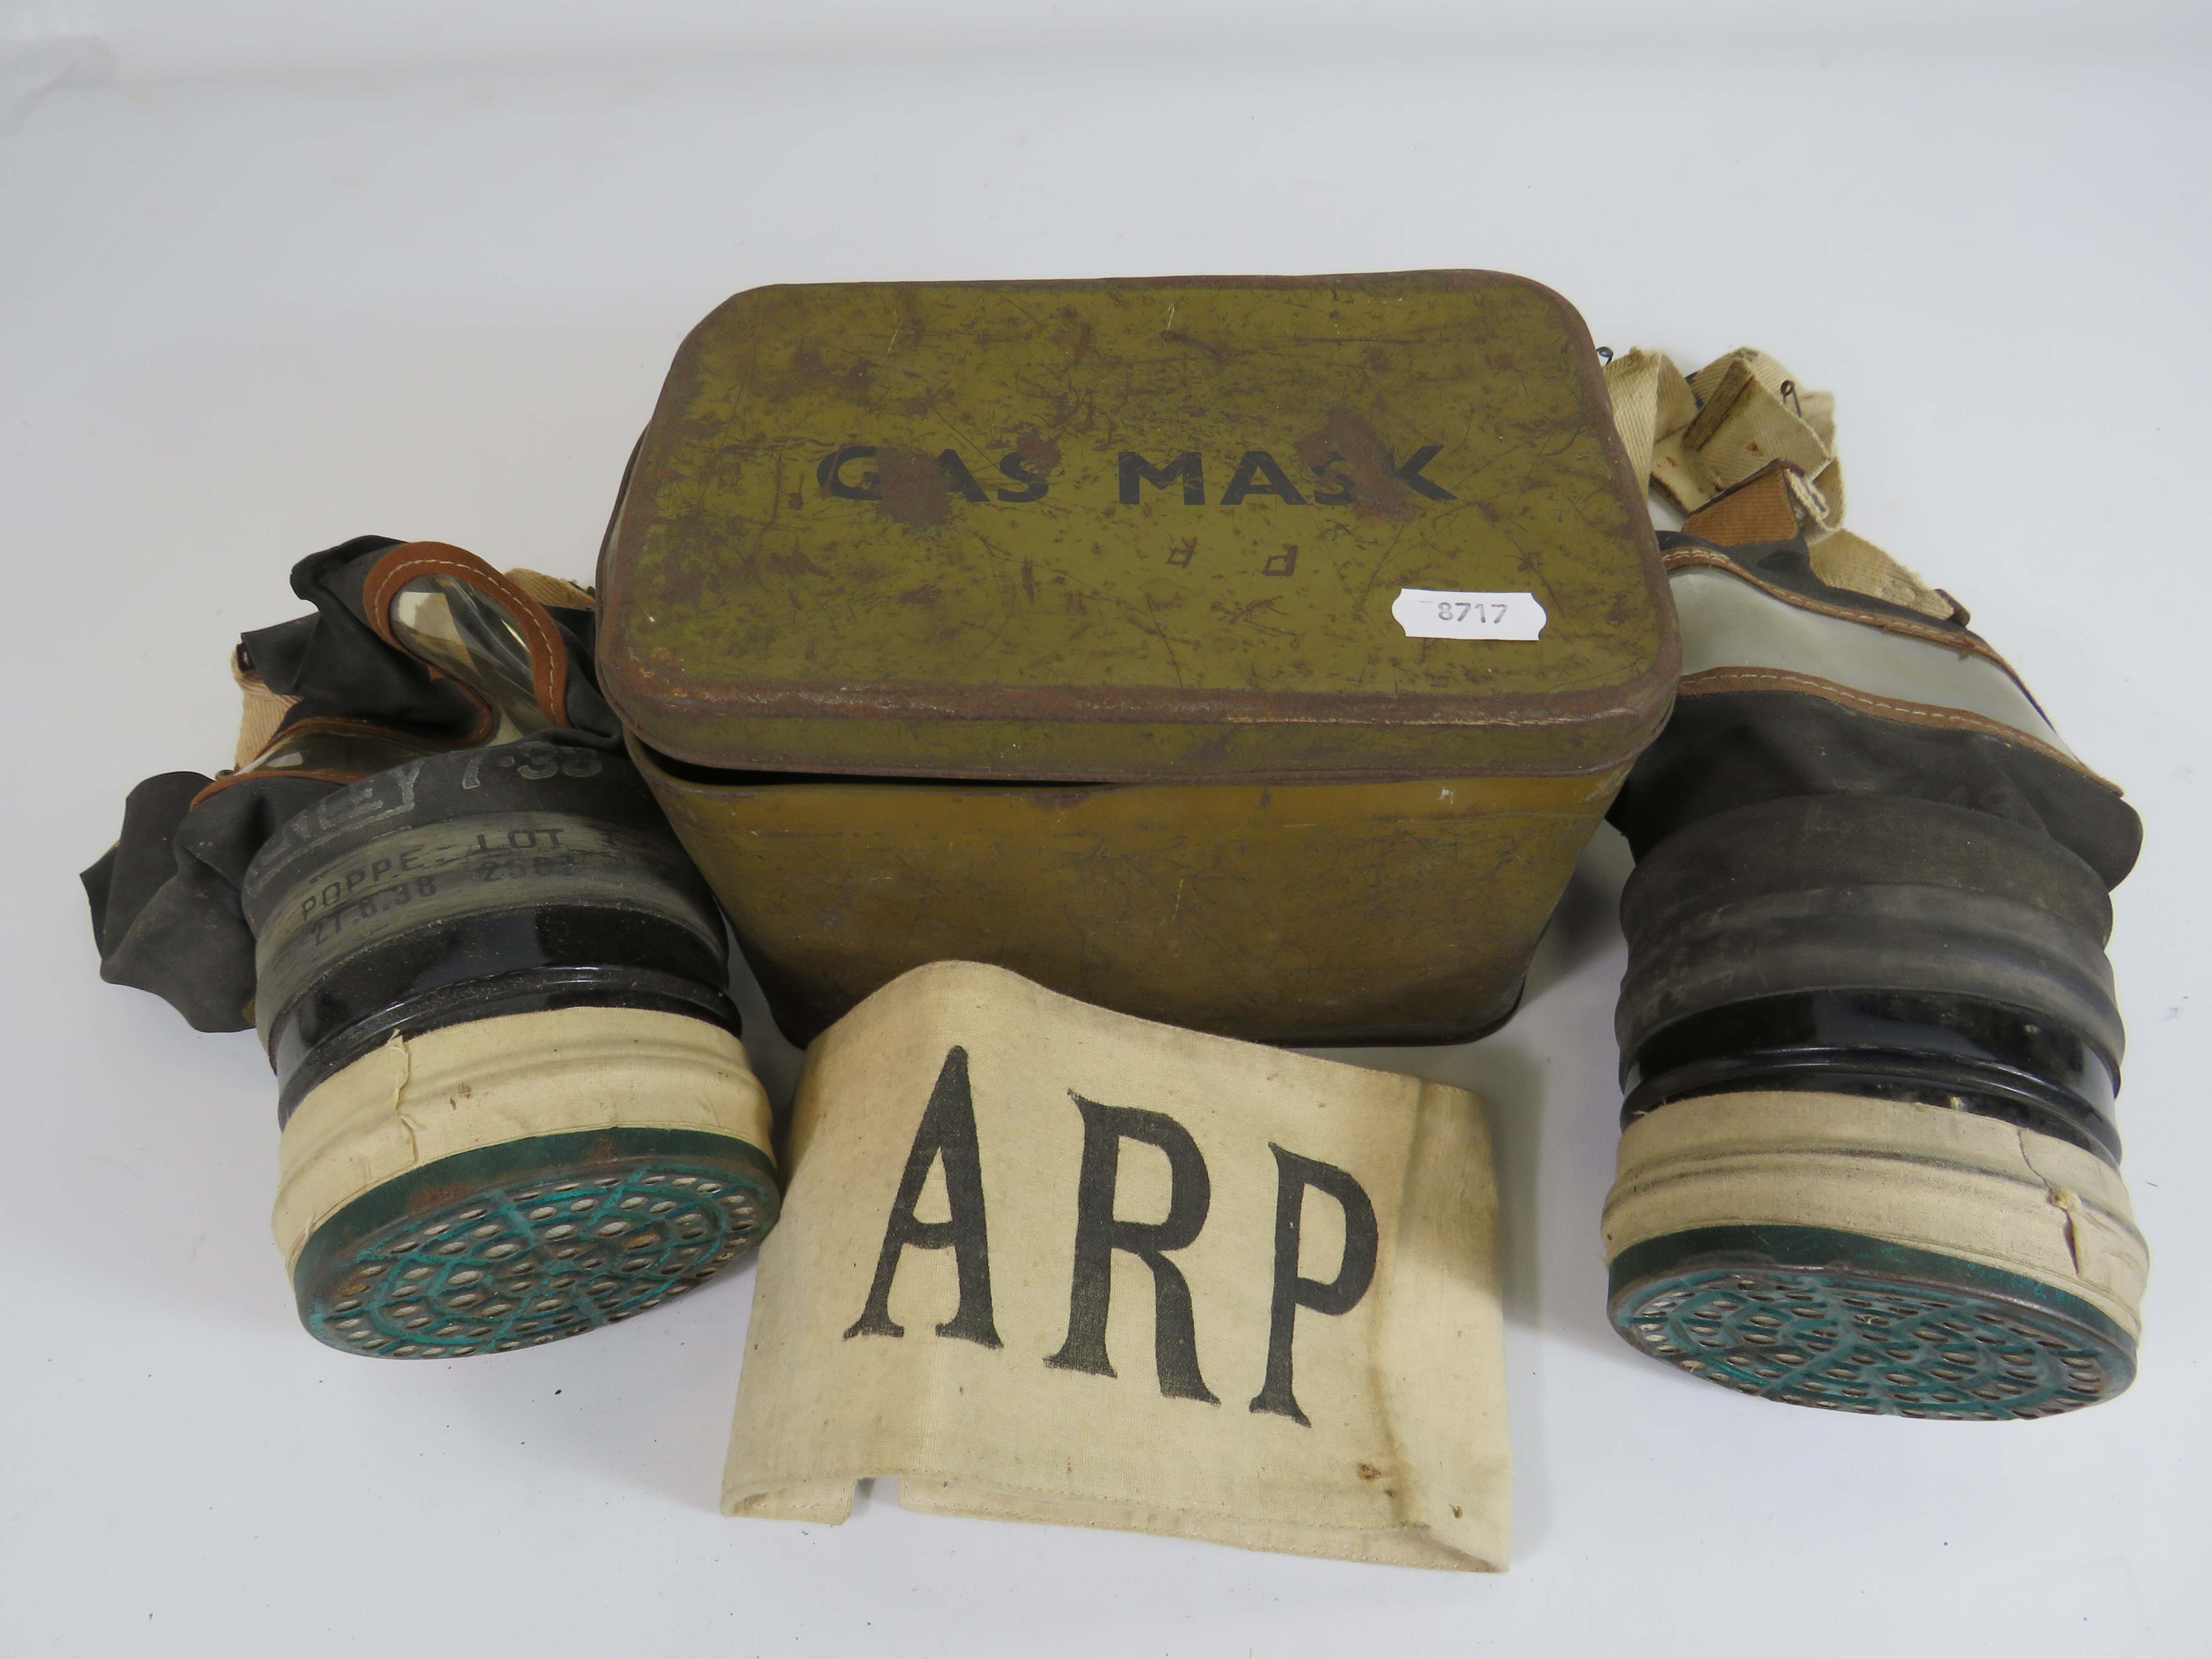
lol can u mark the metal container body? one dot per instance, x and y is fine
(1315, 913)
(1085, 590)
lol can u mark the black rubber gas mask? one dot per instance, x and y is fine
(512, 1100)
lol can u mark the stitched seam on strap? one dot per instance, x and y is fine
(1684, 558)
(549, 662)
(1711, 681)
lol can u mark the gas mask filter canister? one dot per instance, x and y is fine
(1868, 1031)
(514, 1103)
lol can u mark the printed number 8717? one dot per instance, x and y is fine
(1457, 610)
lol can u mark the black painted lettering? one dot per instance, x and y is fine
(1098, 1233)
(1293, 1174)
(947, 1132)
(1410, 474)
(1258, 475)
(1034, 484)
(1137, 471)
(1338, 491)
(830, 475)
(958, 480)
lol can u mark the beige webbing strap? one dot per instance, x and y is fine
(555, 592)
(1844, 559)
(1696, 437)
(264, 711)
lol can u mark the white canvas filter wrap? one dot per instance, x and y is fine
(491, 1081)
(1948, 1182)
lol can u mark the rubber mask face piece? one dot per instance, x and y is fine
(512, 1101)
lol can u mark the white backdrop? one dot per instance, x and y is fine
(275, 275)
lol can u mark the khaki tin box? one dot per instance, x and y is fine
(1050, 624)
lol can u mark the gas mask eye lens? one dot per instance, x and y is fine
(463, 632)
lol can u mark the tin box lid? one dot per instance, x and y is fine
(1139, 529)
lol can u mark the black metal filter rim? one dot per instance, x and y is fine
(1840, 1321)
(522, 1243)
(1931, 1048)
(1921, 1079)
(524, 991)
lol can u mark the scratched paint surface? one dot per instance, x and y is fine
(1142, 535)
(1316, 913)
(929, 489)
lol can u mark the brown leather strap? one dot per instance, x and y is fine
(549, 656)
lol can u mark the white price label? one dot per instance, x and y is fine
(1430, 613)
